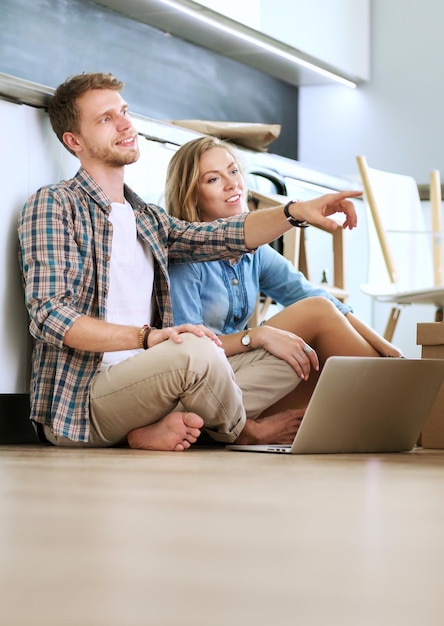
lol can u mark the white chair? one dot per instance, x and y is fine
(295, 250)
(405, 254)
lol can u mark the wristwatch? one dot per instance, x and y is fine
(289, 218)
(246, 339)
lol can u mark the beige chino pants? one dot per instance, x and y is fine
(195, 374)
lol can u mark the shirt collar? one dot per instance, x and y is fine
(93, 189)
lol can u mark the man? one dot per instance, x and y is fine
(108, 367)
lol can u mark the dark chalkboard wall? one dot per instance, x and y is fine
(166, 78)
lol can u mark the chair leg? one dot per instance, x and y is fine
(264, 309)
(391, 324)
(260, 311)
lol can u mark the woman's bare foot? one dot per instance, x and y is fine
(175, 432)
(279, 428)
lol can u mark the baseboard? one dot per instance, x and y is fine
(15, 425)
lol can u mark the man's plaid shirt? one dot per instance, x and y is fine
(65, 248)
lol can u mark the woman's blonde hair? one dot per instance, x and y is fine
(182, 180)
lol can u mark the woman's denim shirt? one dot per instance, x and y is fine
(223, 296)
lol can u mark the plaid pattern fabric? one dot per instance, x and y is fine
(65, 247)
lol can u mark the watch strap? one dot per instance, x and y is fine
(291, 220)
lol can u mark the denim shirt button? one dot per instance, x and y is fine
(235, 281)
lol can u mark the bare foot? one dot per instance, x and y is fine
(175, 432)
(279, 428)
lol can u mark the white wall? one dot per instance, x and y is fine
(34, 157)
(335, 31)
(396, 119)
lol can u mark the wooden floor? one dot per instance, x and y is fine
(217, 538)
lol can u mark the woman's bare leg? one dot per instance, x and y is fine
(325, 329)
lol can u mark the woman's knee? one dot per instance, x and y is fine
(316, 307)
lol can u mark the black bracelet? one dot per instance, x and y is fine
(293, 222)
(146, 334)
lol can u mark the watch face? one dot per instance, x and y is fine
(246, 339)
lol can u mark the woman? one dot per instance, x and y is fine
(205, 182)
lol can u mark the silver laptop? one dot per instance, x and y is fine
(365, 404)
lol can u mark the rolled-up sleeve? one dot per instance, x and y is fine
(52, 265)
(221, 239)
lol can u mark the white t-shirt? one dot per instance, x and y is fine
(131, 278)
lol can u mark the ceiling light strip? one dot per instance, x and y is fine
(258, 43)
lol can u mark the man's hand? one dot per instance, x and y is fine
(173, 332)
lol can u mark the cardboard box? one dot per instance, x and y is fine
(431, 337)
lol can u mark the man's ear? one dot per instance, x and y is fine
(70, 140)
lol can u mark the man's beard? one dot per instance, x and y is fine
(114, 158)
